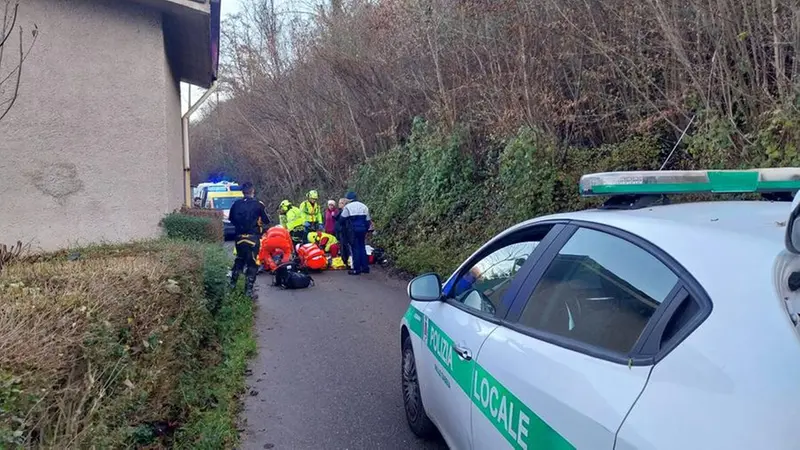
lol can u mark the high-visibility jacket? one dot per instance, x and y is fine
(293, 219)
(311, 213)
(316, 237)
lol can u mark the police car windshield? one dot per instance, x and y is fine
(224, 202)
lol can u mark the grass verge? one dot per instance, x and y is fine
(122, 346)
(215, 427)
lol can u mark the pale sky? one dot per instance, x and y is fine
(228, 7)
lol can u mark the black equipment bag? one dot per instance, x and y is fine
(288, 276)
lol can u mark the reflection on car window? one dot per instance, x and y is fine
(224, 202)
(599, 289)
(483, 286)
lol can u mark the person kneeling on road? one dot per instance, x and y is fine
(327, 242)
(249, 217)
(292, 219)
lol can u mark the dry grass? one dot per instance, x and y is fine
(95, 343)
(15, 252)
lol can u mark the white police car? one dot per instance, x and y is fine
(638, 325)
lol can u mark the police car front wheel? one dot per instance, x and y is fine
(419, 422)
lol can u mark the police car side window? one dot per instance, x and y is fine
(482, 287)
(600, 290)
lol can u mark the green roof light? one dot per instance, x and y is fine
(784, 179)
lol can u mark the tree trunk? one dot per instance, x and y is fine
(777, 52)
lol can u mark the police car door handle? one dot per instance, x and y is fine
(463, 352)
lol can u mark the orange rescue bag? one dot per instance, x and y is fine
(312, 257)
(275, 242)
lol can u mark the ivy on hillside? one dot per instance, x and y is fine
(435, 202)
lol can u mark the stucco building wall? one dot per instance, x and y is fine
(91, 151)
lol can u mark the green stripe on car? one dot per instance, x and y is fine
(521, 427)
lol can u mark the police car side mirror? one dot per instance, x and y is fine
(792, 239)
(425, 288)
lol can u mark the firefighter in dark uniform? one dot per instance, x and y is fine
(249, 216)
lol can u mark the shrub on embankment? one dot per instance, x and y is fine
(121, 346)
(194, 224)
(524, 96)
(440, 195)
(340, 86)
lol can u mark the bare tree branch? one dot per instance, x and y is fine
(22, 55)
(312, 95)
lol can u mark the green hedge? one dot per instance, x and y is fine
(190, 225)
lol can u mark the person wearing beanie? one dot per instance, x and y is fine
(330, 217)
(358, 219)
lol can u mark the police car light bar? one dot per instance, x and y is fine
(784, 179)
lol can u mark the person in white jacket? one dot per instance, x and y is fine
(358, 221)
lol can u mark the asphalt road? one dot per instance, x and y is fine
(327, 374)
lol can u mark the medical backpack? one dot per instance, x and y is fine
(288, 276)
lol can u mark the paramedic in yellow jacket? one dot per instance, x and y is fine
(312, 212)
(327, 242)
(292, 219)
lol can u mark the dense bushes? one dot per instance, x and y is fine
(525, 97)
(439, 195)
(123, 346)
(435, 199)
(312, 95)
(194, 224)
